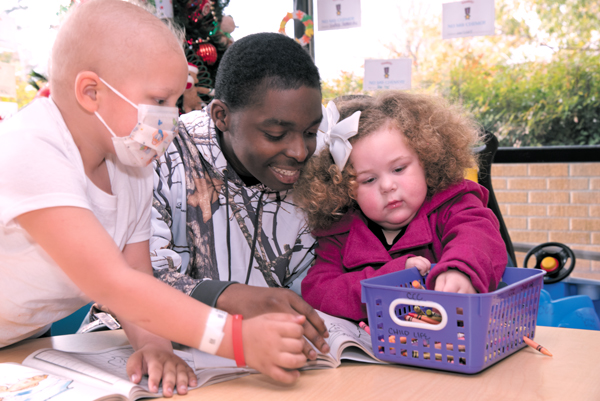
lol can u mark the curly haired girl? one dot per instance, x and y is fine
(389, 194)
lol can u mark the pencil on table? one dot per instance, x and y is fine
(535, 345)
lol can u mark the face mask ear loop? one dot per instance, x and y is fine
(118, 93)
(105, 124)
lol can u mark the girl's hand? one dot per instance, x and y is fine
(454, 281)
(273, 345)
(422, 264)
(159, 362)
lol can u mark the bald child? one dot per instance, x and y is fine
(76, 201)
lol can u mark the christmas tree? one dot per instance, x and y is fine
(207, 36)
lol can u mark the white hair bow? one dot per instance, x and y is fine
(336, 133)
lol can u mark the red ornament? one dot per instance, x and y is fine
(208, 53)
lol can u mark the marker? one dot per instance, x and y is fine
(423, 318)
(417, 285)
(535, 345)
(432, 314)
(436, 318)
(364, 326)
(419, 310)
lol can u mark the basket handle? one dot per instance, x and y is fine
(427, 326)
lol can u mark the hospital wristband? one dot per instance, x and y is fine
(213, 331)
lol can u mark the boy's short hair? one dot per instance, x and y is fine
(270, 59)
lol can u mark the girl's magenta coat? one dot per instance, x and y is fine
(454, 229)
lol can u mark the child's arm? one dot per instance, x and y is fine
(154, 355)
(331, 288)
(470, 241)
(78, 243)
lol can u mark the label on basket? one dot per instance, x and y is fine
(392, 331)
(414, 295)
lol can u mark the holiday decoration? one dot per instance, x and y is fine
(200, 85)
(207, 36)
(207, 52)
(306, 20)
(227, 26)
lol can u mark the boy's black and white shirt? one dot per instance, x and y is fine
(206, 221)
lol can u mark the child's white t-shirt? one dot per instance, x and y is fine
(41, 167)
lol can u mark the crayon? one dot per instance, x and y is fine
(423, 318)
(364, 326)
(535, 345)
(409, 318)
(417, 285)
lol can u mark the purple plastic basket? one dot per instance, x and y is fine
(477, 330)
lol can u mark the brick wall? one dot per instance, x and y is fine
(557, 202)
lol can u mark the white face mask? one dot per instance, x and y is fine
(151, 136)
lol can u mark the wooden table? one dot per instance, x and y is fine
(572, 374)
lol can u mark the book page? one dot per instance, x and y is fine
(109, 367)
(21, 383)
(104, 369)
(347, 340)
(211, 369)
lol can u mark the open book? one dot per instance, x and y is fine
(81, 376)
(347, 342)
(101, 375)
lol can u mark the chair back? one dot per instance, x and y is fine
(486, 154)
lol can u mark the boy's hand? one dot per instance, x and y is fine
(422, 264)
(250, 301)
(273, 345)
(454, 281)
(158, 361)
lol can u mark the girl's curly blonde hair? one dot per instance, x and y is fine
(441, 134)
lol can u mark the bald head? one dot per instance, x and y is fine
(112, 38)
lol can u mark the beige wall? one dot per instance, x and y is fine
(557, 202)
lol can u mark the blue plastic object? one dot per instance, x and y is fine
(576, 286)
(476, 330)
(573, 312)
(572, 303)
(71, 323)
